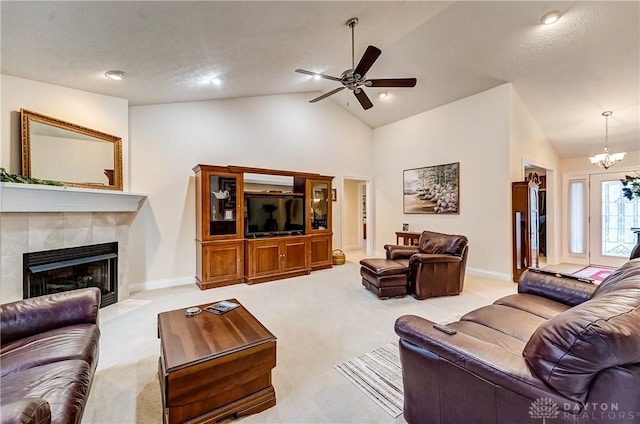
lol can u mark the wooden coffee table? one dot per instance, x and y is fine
(214, 366)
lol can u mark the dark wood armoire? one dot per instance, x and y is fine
(525, 216)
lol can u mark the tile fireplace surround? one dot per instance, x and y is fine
(35, 218)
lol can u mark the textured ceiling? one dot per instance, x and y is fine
(567, 74)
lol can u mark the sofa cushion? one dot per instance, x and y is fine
(76, 342)
(432, 242)
(540, 306)
(513, 322)
(489, 336)
(65, 386)
(569, 350)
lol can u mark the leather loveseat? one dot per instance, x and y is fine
(48, 356)
(559, 351)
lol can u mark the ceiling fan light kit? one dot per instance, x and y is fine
(355, 78)
(114, 75)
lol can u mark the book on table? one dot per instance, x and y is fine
(221, 307)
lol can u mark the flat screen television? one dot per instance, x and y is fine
(273, 214)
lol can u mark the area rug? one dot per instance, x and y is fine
(378, 375)
(594, 273)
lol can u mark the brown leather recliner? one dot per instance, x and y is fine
(436, 266)
(561, 350)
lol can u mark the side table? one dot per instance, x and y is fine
(408, 238)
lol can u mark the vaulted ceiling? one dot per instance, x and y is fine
(567, 73)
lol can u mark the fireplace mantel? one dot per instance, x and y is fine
(15, 197)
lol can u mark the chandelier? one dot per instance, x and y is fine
(607, 159)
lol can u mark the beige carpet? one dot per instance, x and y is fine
(320, 320)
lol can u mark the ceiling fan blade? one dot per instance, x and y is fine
(330, 93)
(313, 74)
(368, 58)
(391, 82)
(362, 98)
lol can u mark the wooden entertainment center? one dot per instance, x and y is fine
(255, 225)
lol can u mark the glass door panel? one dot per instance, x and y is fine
(222, 206)
(319, 205)
(612, 217)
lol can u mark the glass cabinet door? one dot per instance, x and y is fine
(222, 205)
(319, 205)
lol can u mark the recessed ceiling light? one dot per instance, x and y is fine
(114, 75)
(383, 95)
(215, 81)
(317, 77)
(551, 17)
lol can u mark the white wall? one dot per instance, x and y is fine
(96, 111)
(277, 132)
(529, 145)
(473, 131)
(527, 141)
(351, 203)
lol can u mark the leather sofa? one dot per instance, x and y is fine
(559, 350)
(436, 266)
(48, 356)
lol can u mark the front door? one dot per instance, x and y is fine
(611, 217)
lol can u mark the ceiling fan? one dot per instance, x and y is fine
(355, 78)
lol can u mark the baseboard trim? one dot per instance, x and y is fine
(352, 247)
(161, 284)
(478, 272)
(172, 282)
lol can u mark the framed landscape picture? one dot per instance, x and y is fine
(432, 189)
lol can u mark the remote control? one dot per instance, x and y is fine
(444, 329)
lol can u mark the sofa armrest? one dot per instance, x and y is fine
(400, 251)
(26, 411)
(487, 361)
(562, 288)
(426, 258)
(36, 315)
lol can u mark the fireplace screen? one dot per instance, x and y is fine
(61, 270)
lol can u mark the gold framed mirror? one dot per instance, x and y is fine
(74, 155)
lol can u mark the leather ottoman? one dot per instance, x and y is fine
(384, 277)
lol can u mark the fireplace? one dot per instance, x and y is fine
(59, 270)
